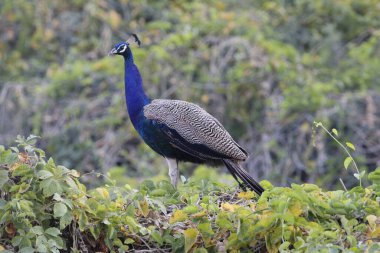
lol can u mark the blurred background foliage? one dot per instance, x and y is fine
(265, 69)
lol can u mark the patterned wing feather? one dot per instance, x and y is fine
(195, 125)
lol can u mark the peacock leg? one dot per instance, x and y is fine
(173, 171)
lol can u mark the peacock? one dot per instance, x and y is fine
(179, 130)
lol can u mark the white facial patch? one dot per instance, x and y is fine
(122, 48)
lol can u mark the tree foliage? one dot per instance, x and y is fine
(266, 69)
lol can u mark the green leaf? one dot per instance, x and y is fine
(53, 231)
(32, 139)
(26, 250)
(71, 182)
(5, 217)
(7, 157)
(200, 250)
(350, 145)
(205, 229)
(347, 162)
(223, 222)
(190, 235)
(59, 210)
(374, 248)
(95, 231)
(22, 170)
(159, 204)
(375, 176)
(3, 178)
(41, 243)
(50, 165)
(37, 230)
(111, 232)
(24, 242)
(40, 152)
(285, 245)
(58, 243)
(44, 174)
(157, 237)
(334, 131)
(83, 220)
(190, 209)
(16, 240)
(61, 170)
(158, 193)
(129, 241)
(50, 186)
(65, 220)
(359, 176)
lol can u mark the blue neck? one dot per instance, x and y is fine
(134, 91)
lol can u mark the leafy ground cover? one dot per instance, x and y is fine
(45, 208)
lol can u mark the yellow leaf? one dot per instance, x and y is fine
(191, 235)
(296, 208)
(375, 233)
(199, 214)
(15, 166)
(144, 207)
(371, 220)
(103, 192)
(246, 195)
(229, 207)
(310, 187)
(119, 203)
(178, 216)
(1, 248)
(265, 214)
(74, 173)
(350, 145)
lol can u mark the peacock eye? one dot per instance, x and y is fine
(122, 48)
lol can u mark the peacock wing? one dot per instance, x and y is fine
(188, 123)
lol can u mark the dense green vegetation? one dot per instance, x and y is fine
(45, 208)
(266, 69)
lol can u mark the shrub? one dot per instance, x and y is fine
(45, 208)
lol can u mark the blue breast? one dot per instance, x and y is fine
(151, 133)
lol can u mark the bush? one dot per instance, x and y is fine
(45, 208)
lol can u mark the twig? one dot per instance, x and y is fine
(344, 148)
(341, 181)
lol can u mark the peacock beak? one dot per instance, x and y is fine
(112, 52)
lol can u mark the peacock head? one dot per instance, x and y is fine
(121, 48)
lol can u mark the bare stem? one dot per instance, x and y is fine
(344, 186)
(344, 148)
